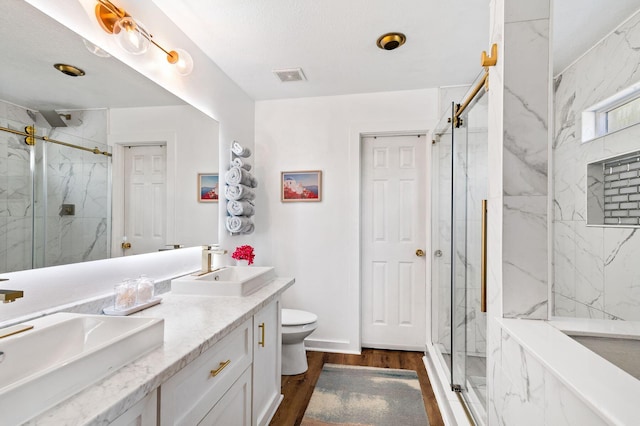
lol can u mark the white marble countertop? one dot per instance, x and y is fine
(192, 324)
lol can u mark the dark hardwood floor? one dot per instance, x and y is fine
(297, 390)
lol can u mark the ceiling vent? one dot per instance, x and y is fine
(292, 74)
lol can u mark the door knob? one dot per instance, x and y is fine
(420, 253)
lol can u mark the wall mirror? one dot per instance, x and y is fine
(60, 204)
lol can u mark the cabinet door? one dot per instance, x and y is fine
(191, 393)
(144, 413)
(234, 408)
(267, 350)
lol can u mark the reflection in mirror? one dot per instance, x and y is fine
(60, 204)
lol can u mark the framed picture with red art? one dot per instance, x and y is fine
(208, 188)
(301, 186)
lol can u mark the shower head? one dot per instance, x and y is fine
(53, 118)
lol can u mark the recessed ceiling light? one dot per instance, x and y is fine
(390, 41)
(69, 70)
(291, 74)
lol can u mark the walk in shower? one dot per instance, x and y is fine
(54, 198)
(459, 188)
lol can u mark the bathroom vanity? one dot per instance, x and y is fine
(219, 364)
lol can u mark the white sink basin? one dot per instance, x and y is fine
(65, 353)
(230, 281)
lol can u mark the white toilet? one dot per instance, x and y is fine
(296, 325)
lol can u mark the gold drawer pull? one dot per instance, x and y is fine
(261, 342)
(221, 367)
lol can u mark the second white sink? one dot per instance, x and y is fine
(63, 354)
(230, 281)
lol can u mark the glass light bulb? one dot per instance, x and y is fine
(131, 36)
(184, 62)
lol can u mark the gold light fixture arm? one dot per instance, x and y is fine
(108, 14)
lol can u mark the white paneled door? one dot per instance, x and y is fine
(144, 198)
(393, 242)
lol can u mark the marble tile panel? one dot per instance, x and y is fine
(570, 178)
(18, 114)
(586, 311)
(564, 254)
(526, 10)
(564, 408)
(3, 244)
(494, 257)
(589, 286)
(18, 158)
(18, 237)
(621, 284)
(95, 240)
(567, 115)
(619, 71)
(4, 194)
(621, 142)
(523, 395)
(563, 306)
(494, 362)
(525, 257)
(526, 110)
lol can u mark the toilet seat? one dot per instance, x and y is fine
(292, 317)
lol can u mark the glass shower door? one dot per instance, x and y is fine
(469, 319)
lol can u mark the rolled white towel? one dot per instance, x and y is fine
(239, 150)
(249, 229)
(237, 176)
(240, 208)
(239, 224)
(241, 162)
(238, 192)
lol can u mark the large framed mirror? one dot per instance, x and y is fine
(60, 204)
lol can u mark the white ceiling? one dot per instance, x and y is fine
(333, 41)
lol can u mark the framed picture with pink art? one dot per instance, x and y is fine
(301, 186)
(208, 188)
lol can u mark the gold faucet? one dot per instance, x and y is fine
(10, 295)
(209, 252)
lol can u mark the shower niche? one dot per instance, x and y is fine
(613, 191)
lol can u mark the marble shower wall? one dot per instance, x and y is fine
(16, 206)
(63, 175)
(517, 282)
(595, 269)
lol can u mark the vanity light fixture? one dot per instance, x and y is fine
(134, 38)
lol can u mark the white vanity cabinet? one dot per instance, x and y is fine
(234, 383)
(267, 350)
(144, 413)
(189, 396)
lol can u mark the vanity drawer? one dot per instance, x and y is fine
(191, 393)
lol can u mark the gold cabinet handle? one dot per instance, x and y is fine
(420, 253)
(261, 342)
(221, 367)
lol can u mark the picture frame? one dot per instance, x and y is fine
(301, 186)
(208, 187)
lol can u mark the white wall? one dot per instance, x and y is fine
(193, 149)
(318, 243)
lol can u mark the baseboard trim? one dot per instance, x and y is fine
(335, 346)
